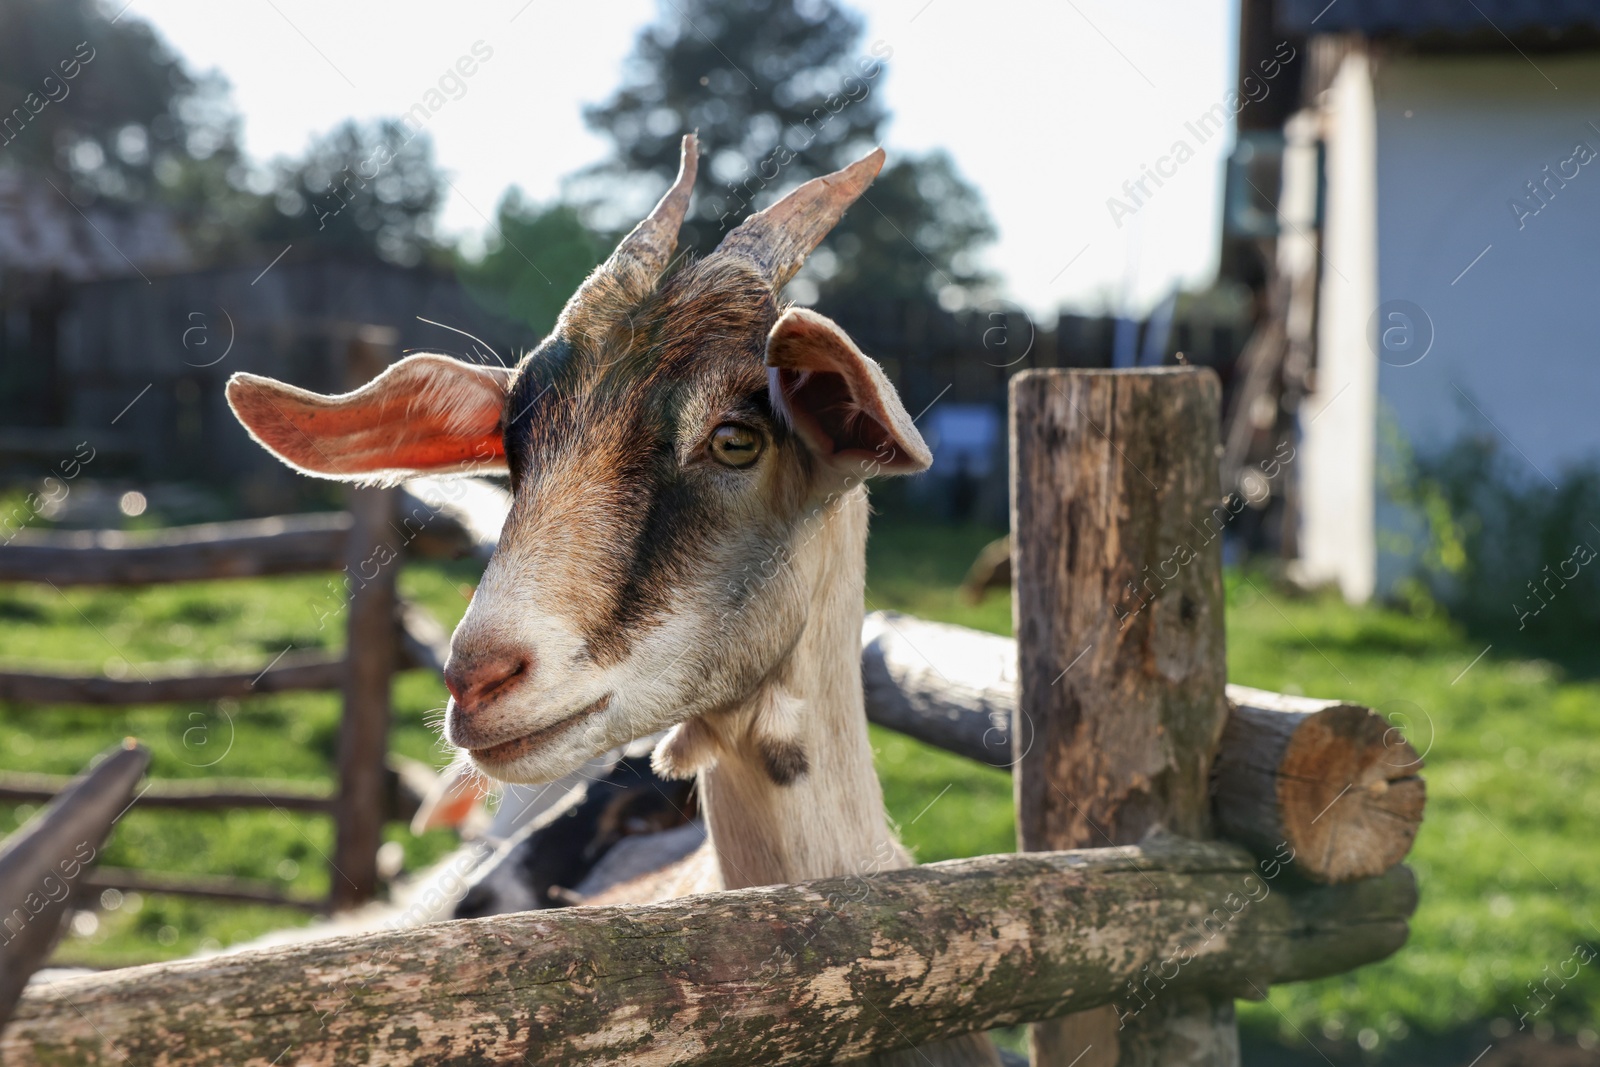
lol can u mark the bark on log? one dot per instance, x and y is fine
(802, 974)
(1332, 781)
(1282, 762)
(1118, 609)
(287, 544)
(295, 672)
(40, 863)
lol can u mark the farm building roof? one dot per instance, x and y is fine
(1489, 23)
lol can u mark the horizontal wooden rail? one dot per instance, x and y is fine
(209, 886)
(1334, 781)
(1328, 782)
(802, 974)
(948, 686)
(438, 520)
(251, 548)
(295, 672)
(196, 795)
(424, 644)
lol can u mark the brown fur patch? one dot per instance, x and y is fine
(784, 761)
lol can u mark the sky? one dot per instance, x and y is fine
(1047, 106)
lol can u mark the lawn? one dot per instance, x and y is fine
(1506, 862)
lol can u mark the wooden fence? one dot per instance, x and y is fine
(383, 635)
(1123, 931)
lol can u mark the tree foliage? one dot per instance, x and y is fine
(751, 76)
(780, 91)
(361, 188)
(106, 111)
(537, 257)
(104, 108)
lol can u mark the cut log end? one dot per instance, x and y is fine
(1332, 784)
(1350, 794)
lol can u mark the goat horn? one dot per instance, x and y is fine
(778, 239)
(653, 241)
(633, 269)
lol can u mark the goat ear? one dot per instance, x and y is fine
(838, 400)
(427, 414)
(452, 801)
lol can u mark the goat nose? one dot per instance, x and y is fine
(474, 680)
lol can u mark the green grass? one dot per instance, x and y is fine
(290, 736)
(945, 806)
(1507, 861)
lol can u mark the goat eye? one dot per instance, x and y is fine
(735, 446)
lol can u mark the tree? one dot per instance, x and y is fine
(104, 110)
(103, 107)
(779, 92)
(107, 112)
(363, 188)
(752, 77)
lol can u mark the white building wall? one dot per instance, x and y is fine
(1487, 316)
(1336, 454)
(1517, 331)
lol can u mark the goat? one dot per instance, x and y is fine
(573, 854)
(686, 542)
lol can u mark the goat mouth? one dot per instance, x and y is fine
(507, 751)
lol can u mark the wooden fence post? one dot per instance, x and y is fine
(370, 659)
(1119, 619)
(372, 654)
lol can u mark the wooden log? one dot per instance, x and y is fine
(41, 862)
(1118, 610)
(949, 686)
(294, 672)
(426, 646)
(205, 886)
(253, 548)
(1261, 795)
(435, 522)
(1332, 781)
(814, 973)
(371, 656)
(181, 795)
